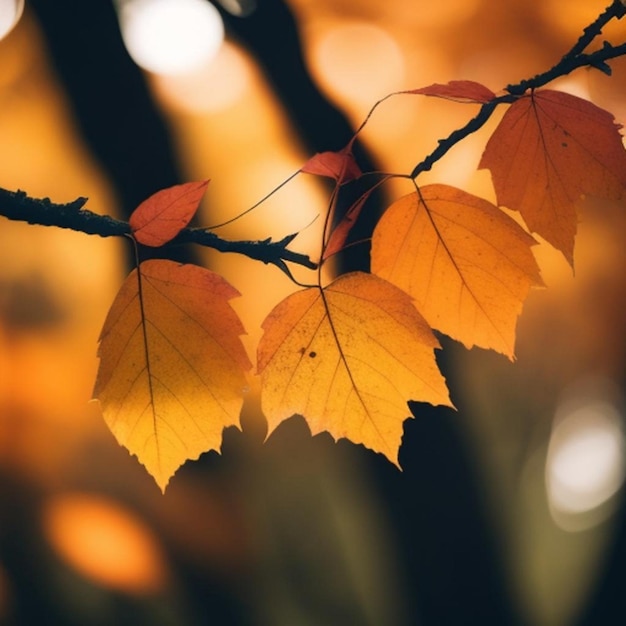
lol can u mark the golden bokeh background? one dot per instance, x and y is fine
(96, 525)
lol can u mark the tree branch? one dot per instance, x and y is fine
(574, 59)
(17, 205)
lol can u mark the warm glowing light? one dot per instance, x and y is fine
(585, 464)
(171, 36)
(10, 13)
(212, 88)
(569, 22)
(358, 61)
(443, 14)
(104, 542)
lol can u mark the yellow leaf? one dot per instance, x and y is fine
(348, 359)
(172, 365)
(468, 266)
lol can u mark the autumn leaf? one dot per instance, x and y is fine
(550, 149)
(159, 218)
(172, 365)
(339, 235)
(343, 168)
(348, 358)
(341, 165)
(458, 90)
(468, 266)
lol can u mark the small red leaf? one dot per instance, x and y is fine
(338, 237)
(164, 214)
(338, 165)
(459, 90)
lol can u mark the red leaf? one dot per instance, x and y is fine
(338, 237)
(338, 165)
(164, 214)
(459, 90)
(549, 150)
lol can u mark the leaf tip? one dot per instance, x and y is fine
(162, 484)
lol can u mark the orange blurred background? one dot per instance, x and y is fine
(295, 532)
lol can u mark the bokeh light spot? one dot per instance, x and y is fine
(10, 13)
(585, 465)
(358, 61)
(104, 542)
(171, 36)
(212, 88)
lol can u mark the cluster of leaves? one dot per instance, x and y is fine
(350, 354)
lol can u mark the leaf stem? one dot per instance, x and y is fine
(255, 205)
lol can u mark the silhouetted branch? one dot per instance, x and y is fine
(17, 205)
(572, 60)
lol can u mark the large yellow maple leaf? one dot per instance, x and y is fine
(468, 266)
(172, 365)
(348, 358)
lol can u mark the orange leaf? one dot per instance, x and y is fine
(338, 165)
(164, 214)
(348, 359)
(468, 266)
(549, 149)
(172, 365)
(458, 90)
